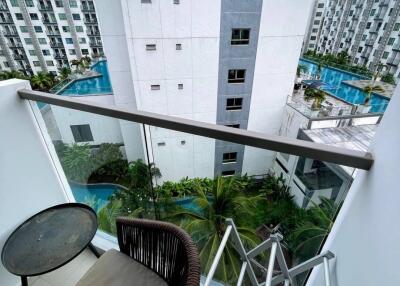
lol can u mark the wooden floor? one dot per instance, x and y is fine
(69, 274)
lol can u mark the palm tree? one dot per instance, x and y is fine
(207, 225)
(309, 233)
(64, 73)
(369, 89)
(42, 81)
(301, 69)
(316, 95)
(75, 161)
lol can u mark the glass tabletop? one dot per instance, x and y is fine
(49, 239)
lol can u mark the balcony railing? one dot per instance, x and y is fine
(47, 7)
(15, 45)
(90, 21)
(140, 169)
(56, 44)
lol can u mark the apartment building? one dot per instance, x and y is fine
(45, 35)
(230, 63)
(367, 30)
(314, 25)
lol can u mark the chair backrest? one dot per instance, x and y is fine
(163, 247)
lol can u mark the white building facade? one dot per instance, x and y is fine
(314, 25)
(231, 63)
(367, 30)
(45, 35)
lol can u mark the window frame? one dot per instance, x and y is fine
(79, 136)
(236, 79)
(236, 103)
(240, 41)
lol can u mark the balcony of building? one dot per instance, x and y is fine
(45, 7)
(56, 44)
(394, 60)
(90, 21)
(361, 177)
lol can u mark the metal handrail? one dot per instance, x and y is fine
(316, 151)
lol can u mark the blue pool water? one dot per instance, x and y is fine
(96, 85)
(333, 79)
(97, 196)
(189, 204)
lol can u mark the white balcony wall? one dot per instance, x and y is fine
(365, 237)
(29, 181)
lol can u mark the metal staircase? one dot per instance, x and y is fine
(284, 276)
(361, 27)
(385, 37)
(339, 34)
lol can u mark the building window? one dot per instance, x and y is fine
(85, 51)
(318, 14)
(72, 52)
(390, 11)
(82, 40)
(385, 55)
(32, 52)
(396, 27)
(59, 3)
(229, 157)
(82, 133)
(146, 1)
(360, 49)
(228, 173)
(79, 29)
(46, 52)
(76, 16)
(62, 16)
(28, 41)
(178, 47)
(234, 103)
(180, 85)
(14, 3)
(312, 38)
(34, 16)
(42, 41)
(24, 29)
(368, 25)
(372, 12)
(69, 40)
(236, 76)
(240, 37)
(315, 30)
(176, 1)
(66, 29)
(233, 125)
(316, 22)
(151, 47)
(391, 41)
(155, 87)
(73, 4)
(19, 16)
(49, 63)
(36, 63)
(364, 37)
(38, 29)
(320, 5)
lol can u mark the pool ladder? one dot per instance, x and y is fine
(285, 276)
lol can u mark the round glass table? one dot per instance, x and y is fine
(49, 240)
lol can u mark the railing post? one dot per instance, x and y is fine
(326, 272)
(241, 275)
(271, 264)
(217, 257)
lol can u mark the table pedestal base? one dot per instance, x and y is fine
(24, 281)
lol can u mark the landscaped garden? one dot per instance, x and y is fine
(257, 206)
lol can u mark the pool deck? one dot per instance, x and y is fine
(361, 84)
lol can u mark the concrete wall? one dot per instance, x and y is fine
(365, 237)
(29, 181)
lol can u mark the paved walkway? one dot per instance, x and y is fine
(360, 84)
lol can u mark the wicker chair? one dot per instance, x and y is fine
(151, 253)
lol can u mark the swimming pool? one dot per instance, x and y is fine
(96, 195)
(333, 78)
(96, 85)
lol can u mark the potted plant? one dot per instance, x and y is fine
(318, 96)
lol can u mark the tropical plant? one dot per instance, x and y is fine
(11, 74)
(301, 69)
(185, 187)
(64, 73)
(369, 89)
(139, 192)
(315, 94)
(108, 163)
(207, 226)
(275, 189)
(42, 81)
(343, 58)
(75, 161)
(308, 234)
(388, 78)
